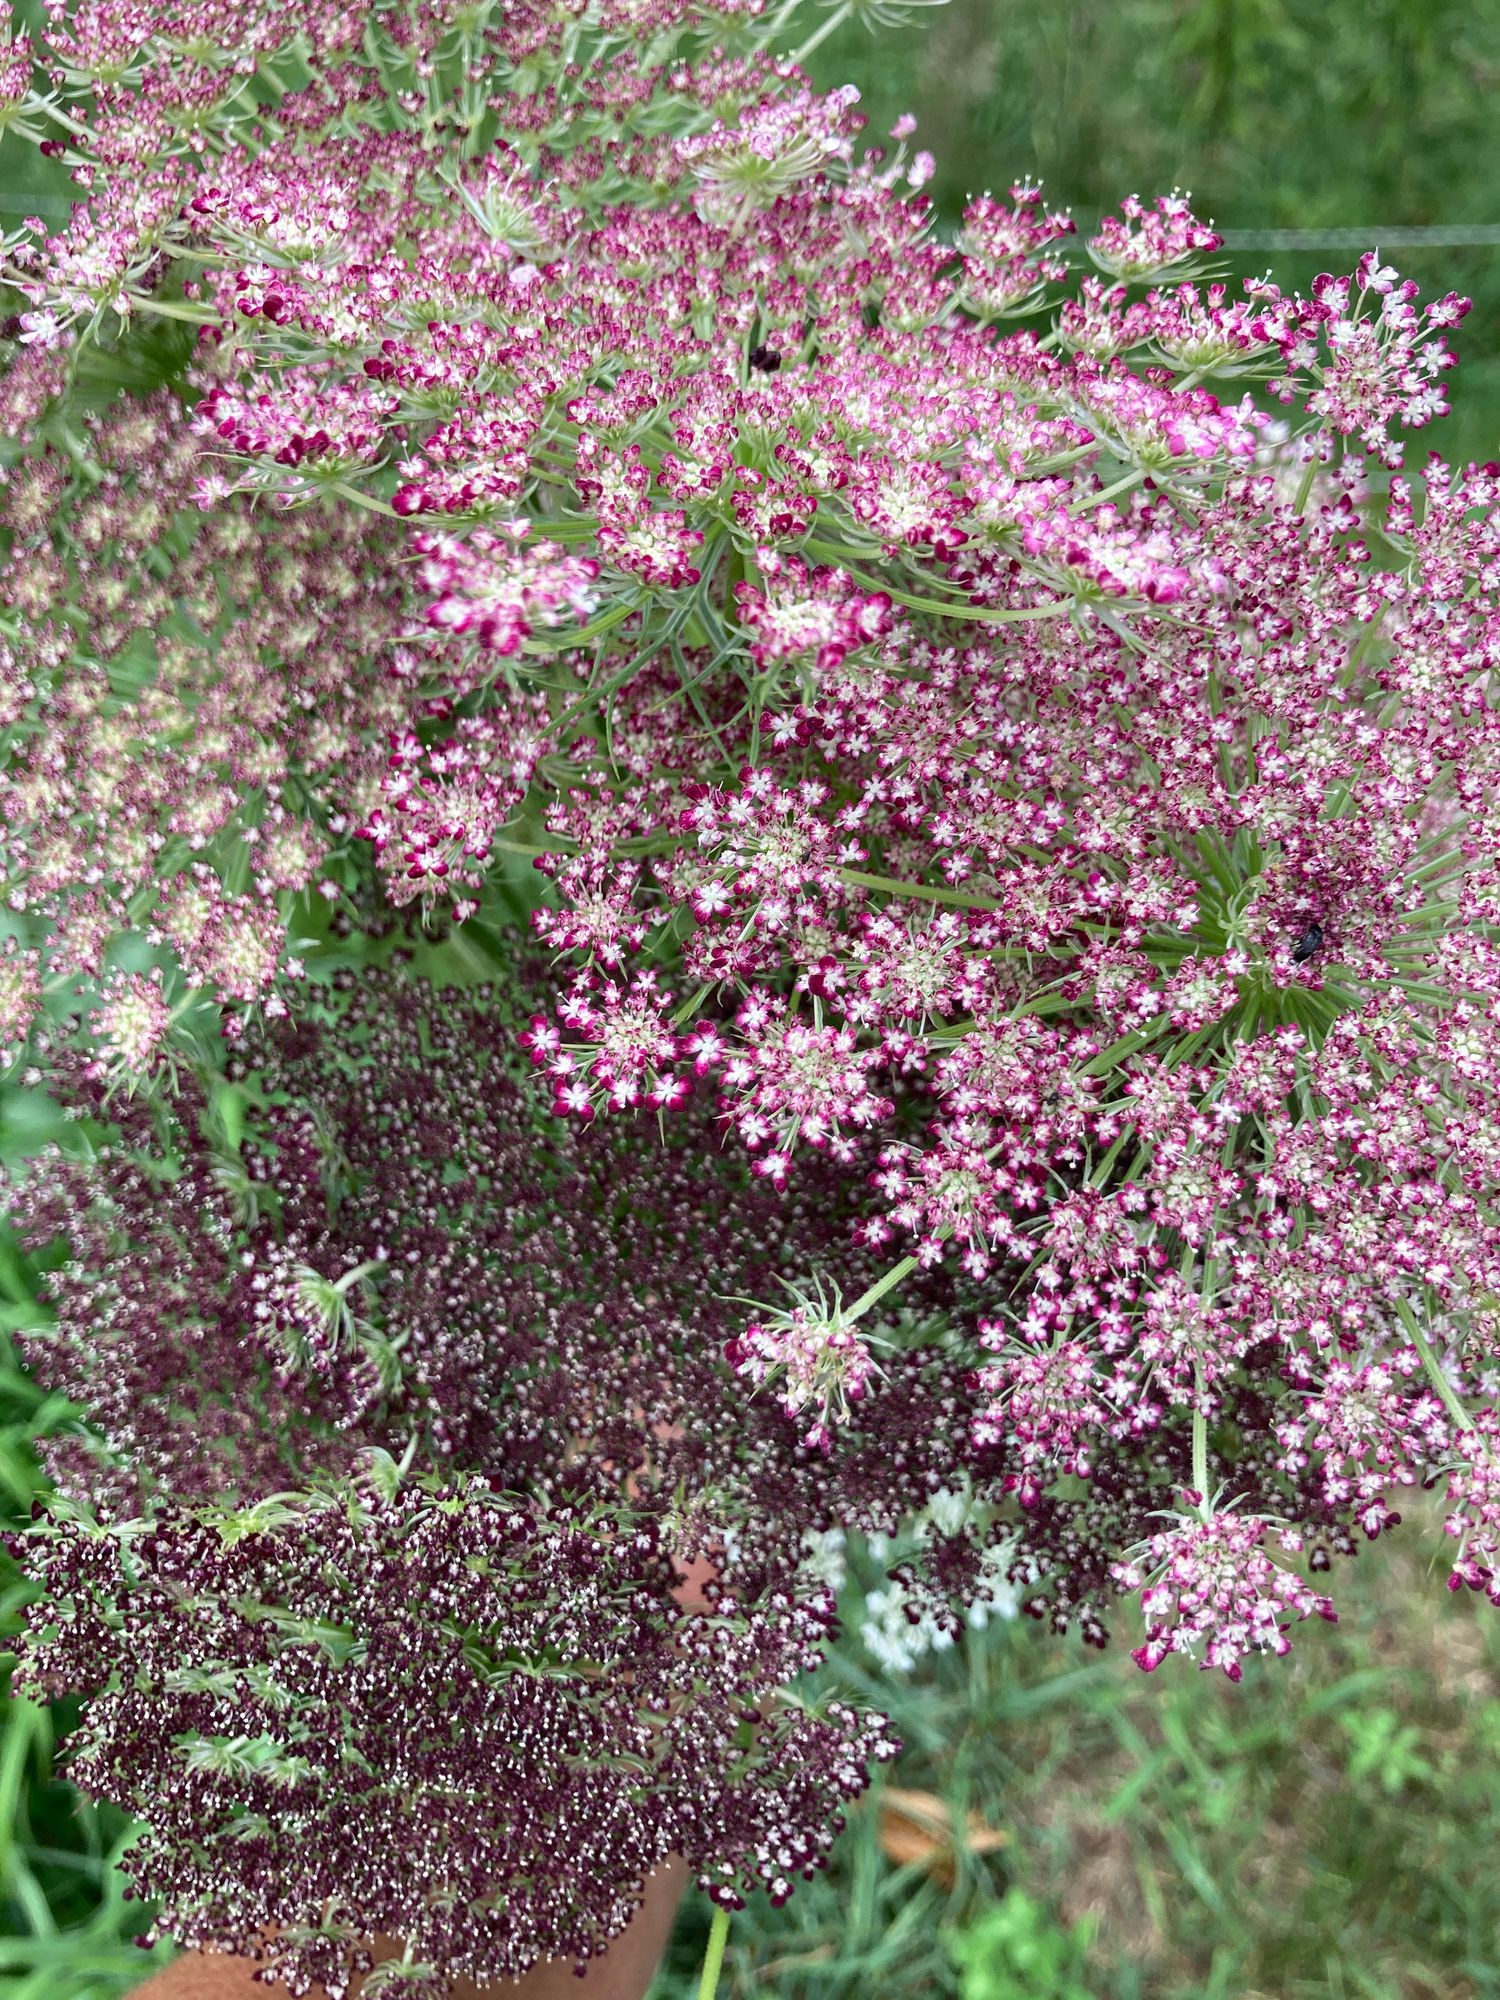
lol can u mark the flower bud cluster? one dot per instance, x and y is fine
(1014, 798)
(406, 1408)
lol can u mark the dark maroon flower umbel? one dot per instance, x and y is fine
(405, 1417)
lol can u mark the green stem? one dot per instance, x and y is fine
(1100, 1174)
(1131, 479)
(980, 613)
(835, 21)
(595, 629)
(1200, 1448)
(1447, 1394)
(889, 886)
(1110, 1058)
(341, 1285)
(713, 1958)
(690, 1007)
(881, 1286)
(772, 31)
(172, 309)
(55, 111)
(1363, 644)
(365, 500)
(519, 847)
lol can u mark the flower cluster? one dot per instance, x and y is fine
(1374, 356)
(326, 1355)
(303, 1747)
(500, 593)
(1006, 256)
(194, 705)
(1211, 1586)
(1141, 243)
(442, 803)
(1018, 812)
(815, 1357)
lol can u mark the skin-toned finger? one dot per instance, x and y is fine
(691, 1578)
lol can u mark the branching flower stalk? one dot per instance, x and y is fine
(1000, 759)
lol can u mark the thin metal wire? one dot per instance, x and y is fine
(1443, 236)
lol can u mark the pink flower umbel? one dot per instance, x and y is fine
(810, 1351)
(1208, 1588)
(997, 773)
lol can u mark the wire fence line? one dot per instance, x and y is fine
(1362, 236)
(1446, 236)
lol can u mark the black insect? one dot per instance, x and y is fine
(765, 359)
(1310, 941)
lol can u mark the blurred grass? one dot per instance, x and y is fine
(1276, 114)
(1328, 1828)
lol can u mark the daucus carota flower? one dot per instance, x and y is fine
(768, 149)
(1209, 1585)
(820, 1365)
(1142, 243)
(499, 591)
(819, 616)
(1005, 246)
(442, 802)
(194, 702)
(482, 1428)
(131, 1021)
(1014, 815)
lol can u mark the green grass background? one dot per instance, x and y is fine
(1275, 114)
(1330, 1827)
(1327, 1828)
